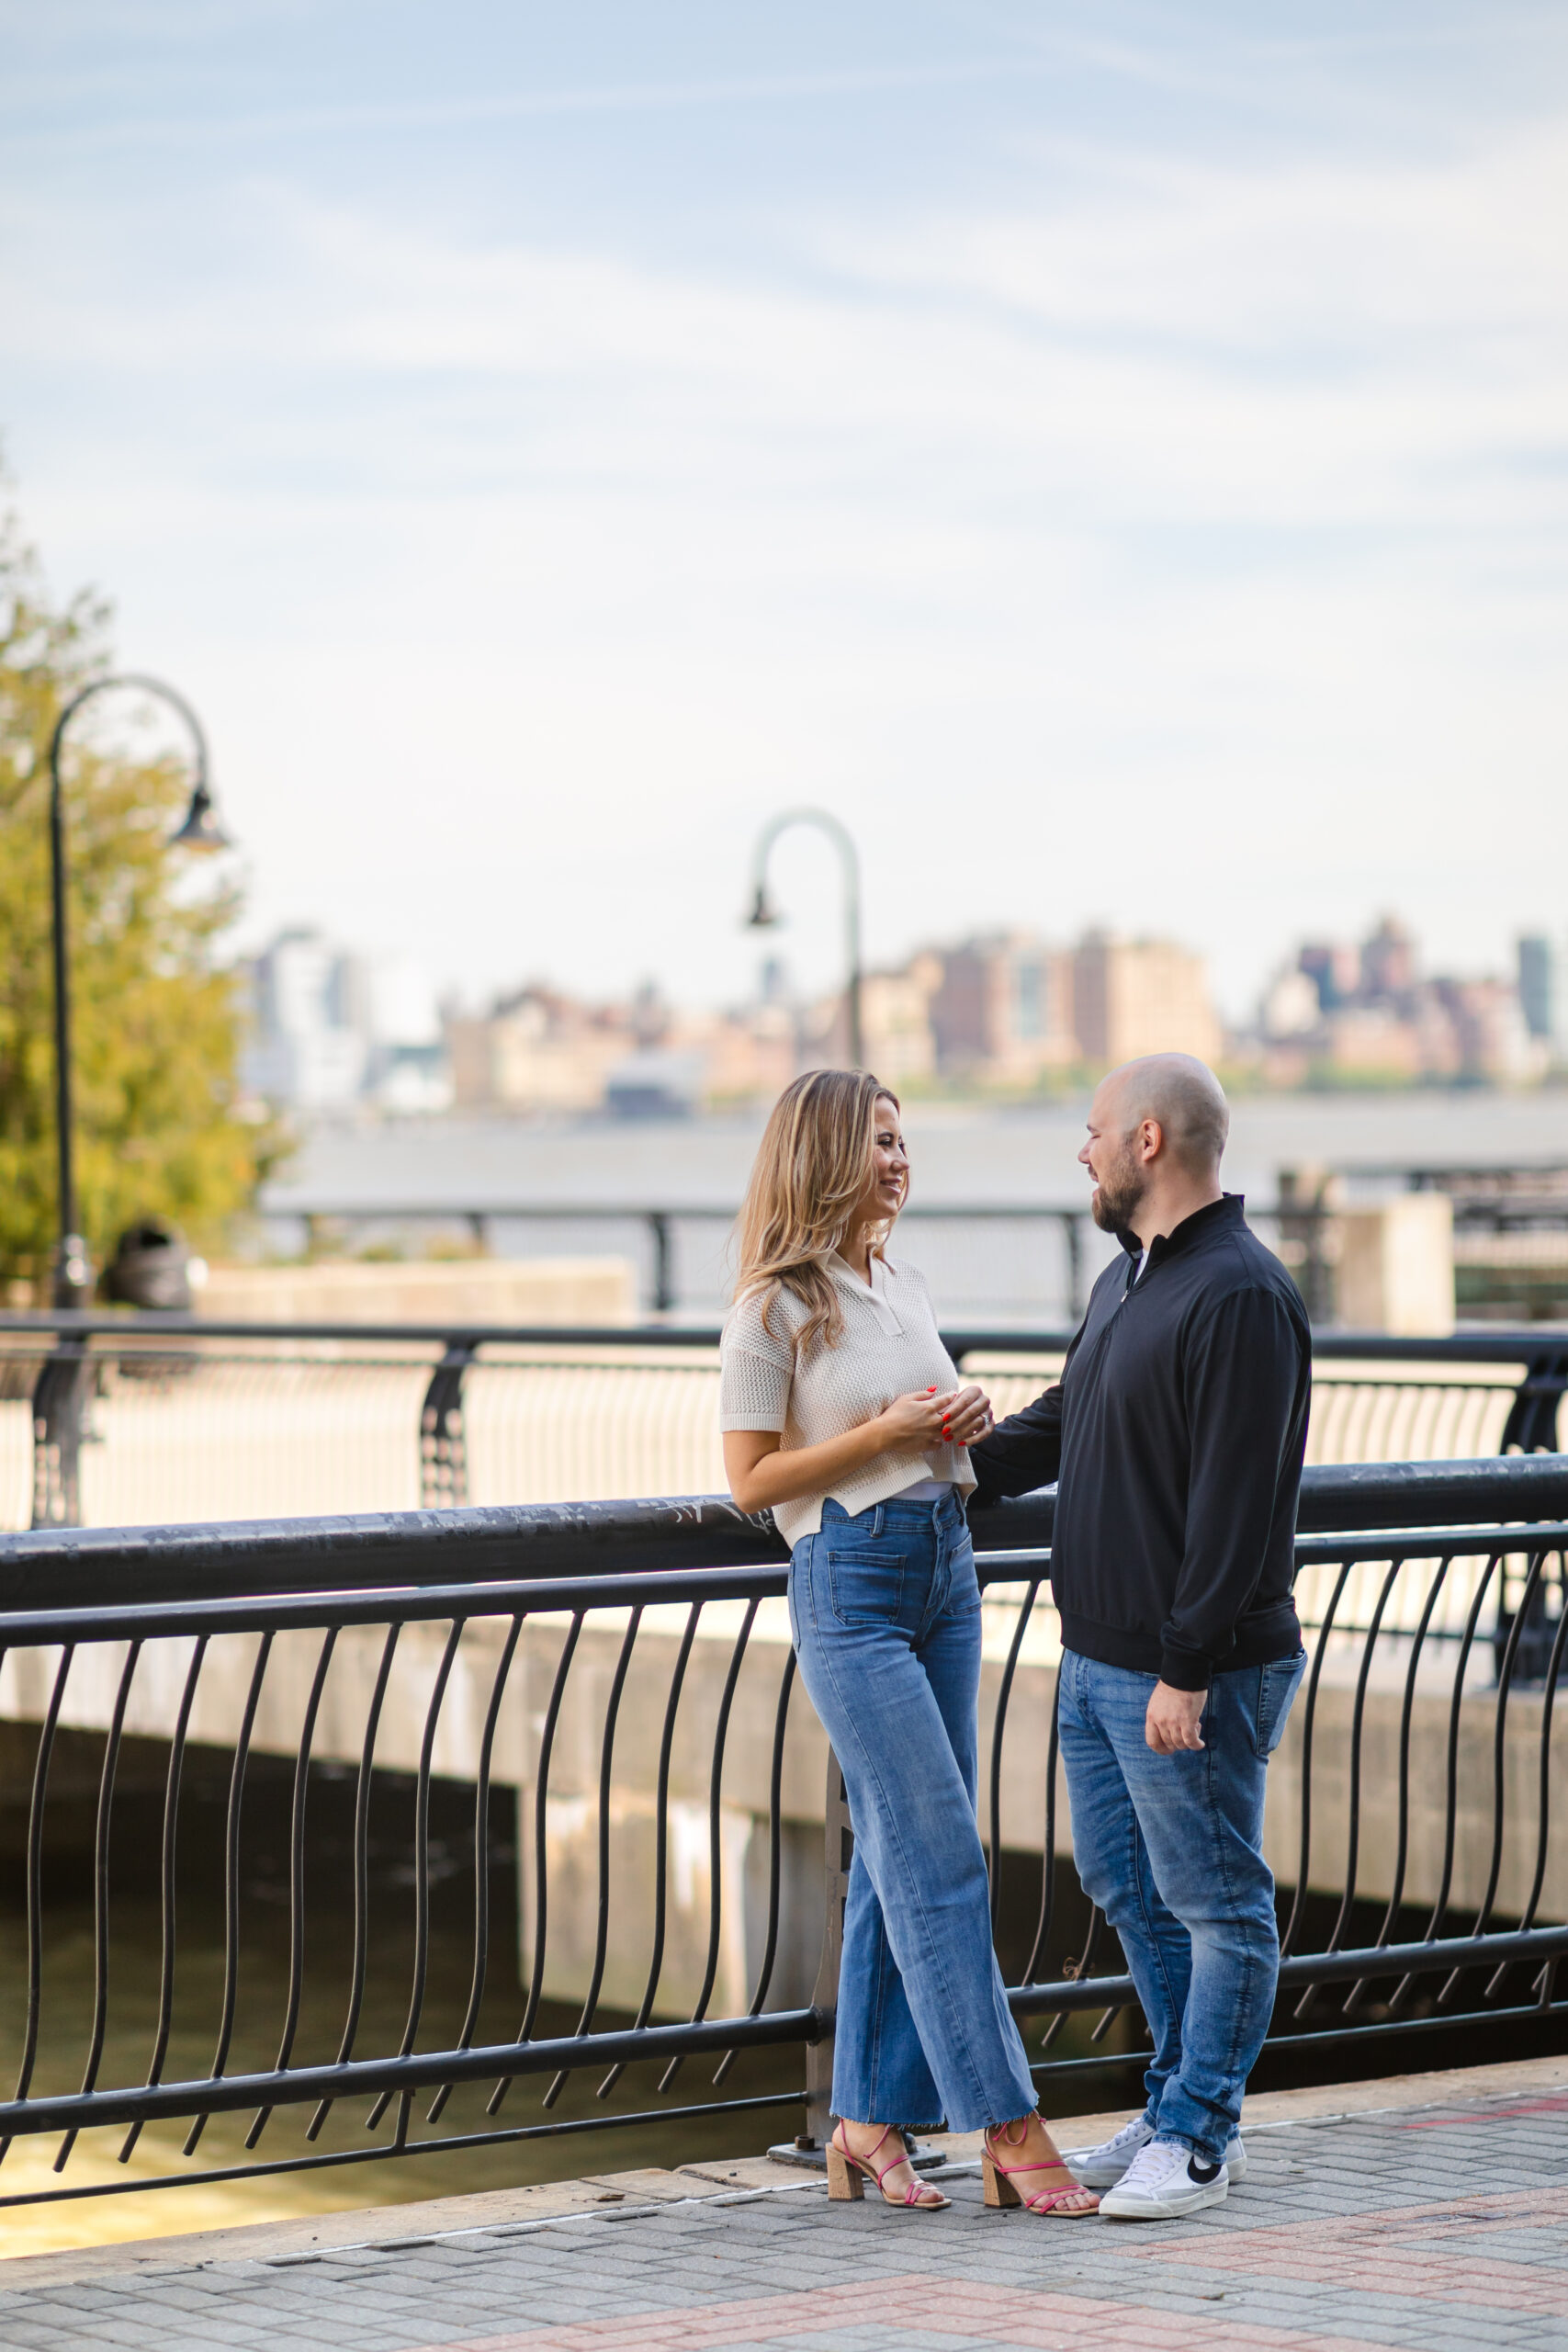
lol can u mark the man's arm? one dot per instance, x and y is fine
(1242, 1371)
(1021, 1453)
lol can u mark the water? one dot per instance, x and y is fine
(1014, 1271)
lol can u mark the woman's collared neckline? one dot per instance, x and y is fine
(874, 1292)
(880, 1268)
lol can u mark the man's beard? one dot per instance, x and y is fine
(1114, 1201)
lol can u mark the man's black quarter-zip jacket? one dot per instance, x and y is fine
(1176, 1433)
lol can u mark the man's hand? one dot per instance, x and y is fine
(1171, 1723)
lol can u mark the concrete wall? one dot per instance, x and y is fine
(457, 1290)
(1396, 1266)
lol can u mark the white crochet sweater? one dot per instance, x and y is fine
(889, 1347)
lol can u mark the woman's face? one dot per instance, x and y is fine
(890, 1165)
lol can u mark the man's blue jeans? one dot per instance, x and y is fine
(885, 1614)
(1171, 1848)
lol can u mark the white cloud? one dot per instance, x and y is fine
(1185, 548)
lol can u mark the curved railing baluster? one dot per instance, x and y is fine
(362, 1794)
(1402, 1852)
(775, 1853)
(101, 1888)
(171, 1835)
(1353, 1810)
(297, 1873)
(1499, 1757)
(601, 1916)
(35, 1876)
(1048, 1839)
(232, 1878)
(716, 1832)
(999, 1729)
(1309, 1720)
(662, 1836)
(420, 1882)
(541, 1849)
(481, 1861)
(1402, 1991)
(1543, 1793)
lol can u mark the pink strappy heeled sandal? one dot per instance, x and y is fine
(999, 2177)
(845, 2182)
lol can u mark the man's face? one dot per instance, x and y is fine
(1120, 1181)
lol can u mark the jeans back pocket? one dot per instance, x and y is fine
(1277, 1686)
(865, 1584)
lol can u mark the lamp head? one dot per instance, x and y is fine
(764, 914)
(201, 830)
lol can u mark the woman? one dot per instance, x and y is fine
(843, 1415)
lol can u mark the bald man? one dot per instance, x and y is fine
(1177, 1433)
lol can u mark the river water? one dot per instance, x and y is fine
(1013, 1270)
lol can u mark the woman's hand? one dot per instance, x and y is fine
(763, 1471)
(917, 1424)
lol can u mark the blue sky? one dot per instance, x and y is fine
(1116, 455)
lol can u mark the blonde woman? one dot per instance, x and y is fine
(843, 1415)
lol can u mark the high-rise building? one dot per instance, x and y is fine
(1388, 962)
(332, 1029)
(1543, 990)
(896, 1020)
(1003, 1011)
(1141, 996)
(310, 1045)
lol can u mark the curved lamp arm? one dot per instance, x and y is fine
(763, 913)
(72, 1275)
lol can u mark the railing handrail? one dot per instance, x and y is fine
(281, 1608)
(1487, 1343)
(62, 1567)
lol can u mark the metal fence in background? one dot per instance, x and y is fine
(253, 1733)
(1030, 1263)
(118, 1420)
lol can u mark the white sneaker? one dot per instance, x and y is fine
(1102, 2167)
(1164, 2181)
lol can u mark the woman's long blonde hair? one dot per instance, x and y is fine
(813, 1170)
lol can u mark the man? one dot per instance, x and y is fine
(1176, 1433)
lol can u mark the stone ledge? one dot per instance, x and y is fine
(390, 2226)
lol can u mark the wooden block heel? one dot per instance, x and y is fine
(1001, 2180)
(847, 2176)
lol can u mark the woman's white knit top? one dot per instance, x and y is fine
(889, 1347)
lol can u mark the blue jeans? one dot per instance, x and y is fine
(1171, 1848)
(886, 1615)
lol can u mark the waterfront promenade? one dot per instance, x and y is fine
(1423, 2212)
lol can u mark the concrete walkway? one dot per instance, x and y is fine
(1428, 2211)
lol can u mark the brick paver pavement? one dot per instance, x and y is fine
(1443, 2229)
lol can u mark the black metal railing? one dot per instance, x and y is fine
(128, 1418)
(678, 1248)
(387, 1828)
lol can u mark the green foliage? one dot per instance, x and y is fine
(156, 1018)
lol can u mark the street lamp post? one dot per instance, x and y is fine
(764, 914)
(72, 1274)
(59, 1392)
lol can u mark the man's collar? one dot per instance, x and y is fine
(1226, 1210)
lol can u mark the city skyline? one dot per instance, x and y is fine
(1114, 464)
(1003, 1013)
